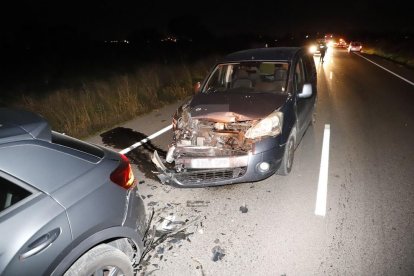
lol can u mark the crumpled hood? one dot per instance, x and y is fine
(231, 107)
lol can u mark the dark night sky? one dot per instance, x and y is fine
(106, 19)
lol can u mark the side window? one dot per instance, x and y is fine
(10, 194)
(299, 75)
(217, 80)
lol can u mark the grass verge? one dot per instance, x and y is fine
(100, 104)
(399, 51)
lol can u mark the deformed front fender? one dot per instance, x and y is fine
(164, 174)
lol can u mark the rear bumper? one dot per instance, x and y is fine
(135, 214)
(217, 171)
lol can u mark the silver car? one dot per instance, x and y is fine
(354, 46)
(66, 206)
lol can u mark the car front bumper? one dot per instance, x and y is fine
(216, 171)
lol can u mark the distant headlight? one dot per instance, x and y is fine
(269, 126)
(312, 49)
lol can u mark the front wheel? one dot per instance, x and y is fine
(102, 260)
(287, 160)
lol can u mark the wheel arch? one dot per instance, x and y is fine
(108, 236)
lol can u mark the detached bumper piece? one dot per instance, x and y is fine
(197, 177)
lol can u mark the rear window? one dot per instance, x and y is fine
(10, 194)
(76, 144)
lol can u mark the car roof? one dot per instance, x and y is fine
(17, 125)
(273, 53)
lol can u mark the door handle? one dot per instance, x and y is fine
(41, 243)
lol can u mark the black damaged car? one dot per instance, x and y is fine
(246, 120)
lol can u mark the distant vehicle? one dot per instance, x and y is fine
(354, 46)
(330, 40)
(66, 206)
(341, 44)
(315, 48)
(246, 122)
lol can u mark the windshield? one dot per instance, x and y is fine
(257, 76)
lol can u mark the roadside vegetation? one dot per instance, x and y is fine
(99, 104)
(398, 49)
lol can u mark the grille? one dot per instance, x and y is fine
(209, 176)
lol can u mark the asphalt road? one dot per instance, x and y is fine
(270, 227)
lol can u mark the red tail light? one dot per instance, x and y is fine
(123, 175)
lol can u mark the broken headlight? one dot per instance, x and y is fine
(269, 126)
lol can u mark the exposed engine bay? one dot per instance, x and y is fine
(217, 135)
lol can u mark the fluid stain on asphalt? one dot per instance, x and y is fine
(121, 138)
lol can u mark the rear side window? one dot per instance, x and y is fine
(218, 79)
(76, 144)
(10, 194)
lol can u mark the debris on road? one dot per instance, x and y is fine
(164, 233)
(197, 203)
(199, 267)
(244, 209)
(218, 253)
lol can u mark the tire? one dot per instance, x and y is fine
(288, 155)
(100, 260)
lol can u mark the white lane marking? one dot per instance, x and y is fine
(320, 209)
(145, 140)
(389, 71)
(330, 75)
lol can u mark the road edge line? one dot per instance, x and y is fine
(389, 71)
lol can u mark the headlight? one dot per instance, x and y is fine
(312, 49)
(269, 126)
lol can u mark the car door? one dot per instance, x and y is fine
(301, 104)
(34, 229)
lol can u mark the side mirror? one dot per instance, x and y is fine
(306, 91)
(197, 87)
